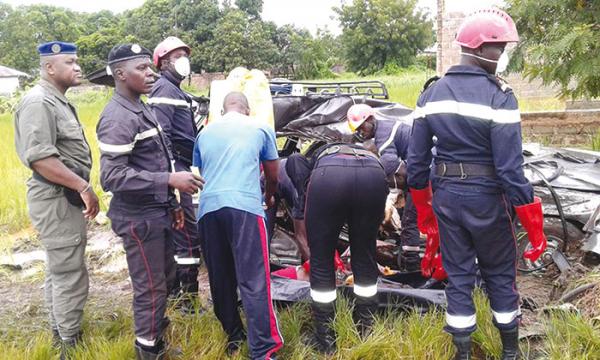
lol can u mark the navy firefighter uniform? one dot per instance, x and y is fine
(347, 184)
(478, 180)
(173, 110)
(134, 166)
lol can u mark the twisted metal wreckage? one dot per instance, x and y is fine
(567, 180)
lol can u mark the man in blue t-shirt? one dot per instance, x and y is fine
(229, 153)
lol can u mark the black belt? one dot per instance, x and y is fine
(73, 196)
(346, 150)
(463, 171)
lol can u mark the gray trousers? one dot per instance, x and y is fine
(62, 230)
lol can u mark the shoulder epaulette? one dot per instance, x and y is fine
(49, 100)
(502, 84)
(429, 82)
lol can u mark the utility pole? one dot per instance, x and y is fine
(440, 21)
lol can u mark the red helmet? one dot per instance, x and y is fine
(358, 114)
(486, 26)
(166, 46)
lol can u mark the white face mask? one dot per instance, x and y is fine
(182, 66)
(501, 63)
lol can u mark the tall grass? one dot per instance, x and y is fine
(13, 206)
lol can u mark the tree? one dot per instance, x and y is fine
(24, 28)
(376, 33)
(150, 23)
(240, 41)
(250, 7)
(194, 22)
(560, 43)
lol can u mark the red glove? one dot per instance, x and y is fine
(438, 270)
(431, 251)
(425, 218)
(532, 219)
(427, 224)
(337, 261)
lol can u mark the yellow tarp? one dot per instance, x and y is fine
(254, 84)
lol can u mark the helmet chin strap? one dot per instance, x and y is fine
(479, 57)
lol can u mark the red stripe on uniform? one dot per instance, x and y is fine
(512, 230)
(136, 238)
(273, 320)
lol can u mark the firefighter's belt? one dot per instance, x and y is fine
(346, 150)
(463, 171)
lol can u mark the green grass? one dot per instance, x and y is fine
(13, 206)
(108, 334)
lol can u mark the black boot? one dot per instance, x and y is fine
(156, 352)
(409, 261)
(363, 314)
(463, 347)
(324, 336)
(235, 341)
(510, 343)
(67, 345)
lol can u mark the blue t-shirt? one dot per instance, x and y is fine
(228, 153)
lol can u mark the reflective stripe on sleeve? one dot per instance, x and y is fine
(460, 321)
(391, 138)
(323, 296)
(365, 291)
(168, 101)
(117, 149)
(127, 148)
(506, 317)
(478, 111)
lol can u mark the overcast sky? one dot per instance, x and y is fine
(310, 14)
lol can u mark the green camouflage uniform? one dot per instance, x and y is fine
(46, 124)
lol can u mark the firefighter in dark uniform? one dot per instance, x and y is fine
(173, 109)
(479, 181)
(392, 139)
(347, 184)
(136, 166)
(49, 139)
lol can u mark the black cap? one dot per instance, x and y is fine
(127, 52)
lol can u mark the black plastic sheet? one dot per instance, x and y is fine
(321, 117)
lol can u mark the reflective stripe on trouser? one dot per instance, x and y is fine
(236, 256)
(477, 226)
(333, 198)
(149, 252)
(186, 244)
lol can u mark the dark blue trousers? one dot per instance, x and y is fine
(409, 235)
(149, 253)
(477, 227)
(187, 245)
(237, 256)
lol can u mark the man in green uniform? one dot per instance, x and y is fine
(49, 139)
